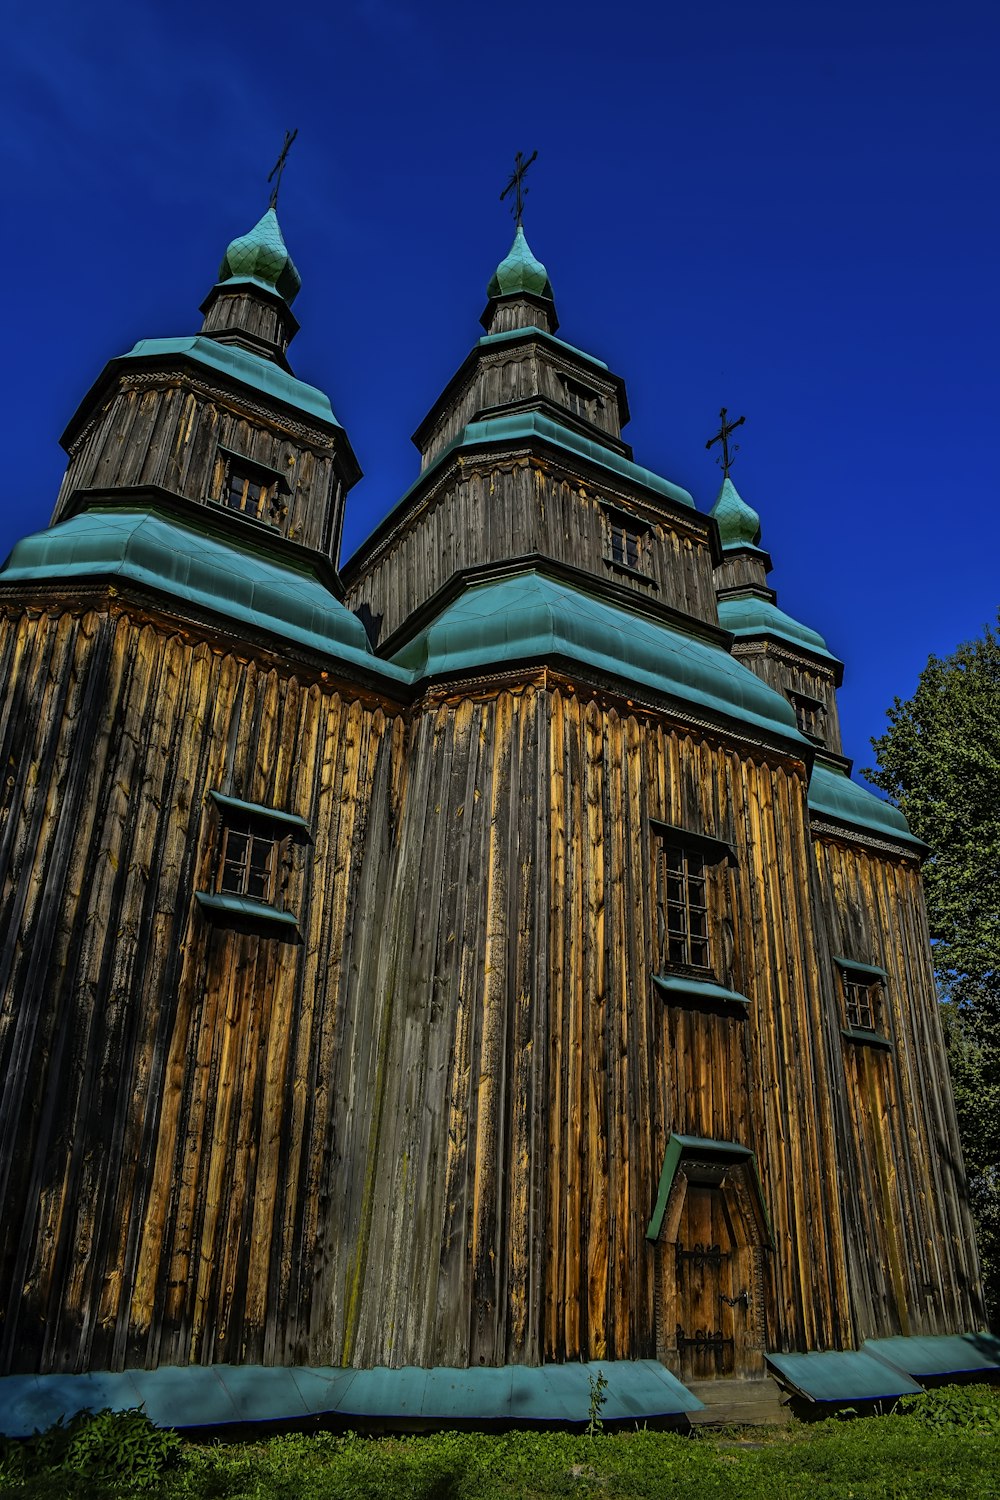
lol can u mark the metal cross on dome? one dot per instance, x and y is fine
(516, 184)
(722, 436)
(279, 166)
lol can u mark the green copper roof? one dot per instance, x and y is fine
(239, 364)
(519, 271)
(739, 526)
(186, 561)
(534, 424)
(546, 338)
(750, 615)
(833, 794)
(222, 1395)
(261, 256)
(530, 616)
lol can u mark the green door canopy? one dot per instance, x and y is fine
(531, 616)
(199, 1396)
(748, 616)
(188, 562)
(832, 794)
(718, 1153)
(885, 1368)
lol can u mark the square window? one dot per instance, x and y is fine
(249, 860)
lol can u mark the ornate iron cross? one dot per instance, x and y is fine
(279, 166)
(722, 436)
(516, 184)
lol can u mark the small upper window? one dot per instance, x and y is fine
(243, 485)
(581, 401)
(626, 545)
(809, 715)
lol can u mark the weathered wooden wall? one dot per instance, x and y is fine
(517, 373)
(161, 428)
(788, 673)
(432, 1132)
(488, 510)
(165, 1135)
(910, 1238)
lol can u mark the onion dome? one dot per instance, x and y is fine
(519, 271)
(261, 256)
(739, 525)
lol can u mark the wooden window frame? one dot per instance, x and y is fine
(622, 527)
(863, 1001)
(238, 477)
(248, 860)
(580, 399)
(809, 715)
(684, 877)
(252, 845)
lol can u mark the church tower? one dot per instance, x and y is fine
(427, 982)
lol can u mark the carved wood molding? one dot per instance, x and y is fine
(823, 828)
(787, 656)
(238, 404)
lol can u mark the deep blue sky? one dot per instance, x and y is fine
(789, 209)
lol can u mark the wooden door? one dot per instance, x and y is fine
(709, 1302)
(710, 1277)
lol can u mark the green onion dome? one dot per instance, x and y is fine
(261, 256)
(519, 271)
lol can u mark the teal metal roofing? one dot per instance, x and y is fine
(750, 615)
(930, 1356)
(524, 426)
(186, 562)
(509, 334)
(530, 616)
(215, 1395)
(239, 364)
(842, 1375)
(833, 794)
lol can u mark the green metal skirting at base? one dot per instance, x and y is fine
(885, 1368)
(197, 1396)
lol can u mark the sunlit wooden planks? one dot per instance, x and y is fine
(906, 1184)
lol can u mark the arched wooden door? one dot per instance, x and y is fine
(710, 1244)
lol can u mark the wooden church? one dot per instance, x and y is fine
(429, 979)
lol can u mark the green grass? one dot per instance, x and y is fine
(944, 1444)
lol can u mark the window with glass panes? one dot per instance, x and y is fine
(626, 545)
(861, 1003)
(249, 856)
(246, 491)
(682, 906)
(583, 402)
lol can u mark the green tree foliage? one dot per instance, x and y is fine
(940, 761)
